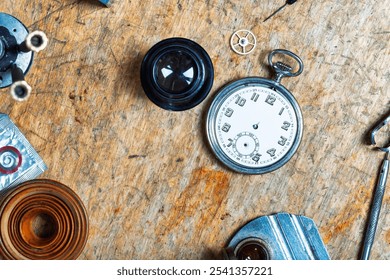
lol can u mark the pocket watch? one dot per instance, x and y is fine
(254, 125)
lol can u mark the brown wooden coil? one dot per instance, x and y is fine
(42, 219)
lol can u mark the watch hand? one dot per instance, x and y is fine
(288, 2)
(256, 126)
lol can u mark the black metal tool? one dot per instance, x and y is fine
(288, 2)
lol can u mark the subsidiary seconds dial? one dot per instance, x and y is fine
(254, 125)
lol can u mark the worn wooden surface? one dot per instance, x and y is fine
(151, 185)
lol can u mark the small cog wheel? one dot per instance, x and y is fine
(243, 42)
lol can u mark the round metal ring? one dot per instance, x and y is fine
(252, 249)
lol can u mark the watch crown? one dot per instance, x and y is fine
(283, 66)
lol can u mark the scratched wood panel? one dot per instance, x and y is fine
(151, 185)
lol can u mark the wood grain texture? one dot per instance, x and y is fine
(151, 185)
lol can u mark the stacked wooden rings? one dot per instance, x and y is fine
(42, 219)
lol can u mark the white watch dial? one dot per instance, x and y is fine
(255, 126)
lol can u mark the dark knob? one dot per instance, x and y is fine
(177, 74)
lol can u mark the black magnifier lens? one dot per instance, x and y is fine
(177, 74)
